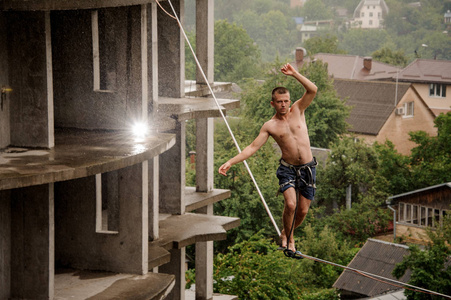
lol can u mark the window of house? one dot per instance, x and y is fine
(104, 51)
(371, 22)
(362, 14)
(107, 203)
(371, 14)
(437, 90)
(420, 215)
(379, 15)
(408, 108)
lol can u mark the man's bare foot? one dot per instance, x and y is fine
(283, 240)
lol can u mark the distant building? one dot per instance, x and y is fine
(310, 29)
(369, 14)
(420, 209)
(297, 3)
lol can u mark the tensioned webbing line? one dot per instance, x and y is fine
(363, 273)
(222, 114)
(379, 278)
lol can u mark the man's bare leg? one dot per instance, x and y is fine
(288, 214)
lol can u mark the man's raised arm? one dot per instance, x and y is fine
(310, 87)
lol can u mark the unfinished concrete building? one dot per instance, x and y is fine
(87, 209)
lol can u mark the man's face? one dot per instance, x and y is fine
(282, 103)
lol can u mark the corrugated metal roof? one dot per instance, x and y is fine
(376, 257)
(427, 71)
(372, 102)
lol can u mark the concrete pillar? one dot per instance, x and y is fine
(172, 174)
(31, 79)
(205, 154)
(204, 264)
(171, 49)
(5, 244)
(154, 165)
(4, 84)
(205, 39)
(177, 268)
(32, 242)
(154, 198)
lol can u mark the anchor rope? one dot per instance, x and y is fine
(222, 114)
(363, 273)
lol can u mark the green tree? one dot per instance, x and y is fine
(323, 44)
(317, 10)
(430, 268)
(236, 55)
(388, 56)
(350, 163)
(363, 42)
(431, 159)
(255, 269)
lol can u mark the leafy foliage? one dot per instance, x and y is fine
(255, 269)
(323, 44)
(430, 268)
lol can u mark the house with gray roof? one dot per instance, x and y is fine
(378, 258)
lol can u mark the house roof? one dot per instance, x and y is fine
(376, 257)
(427, 71)
(352, 67)
(438, 186)
(372, 101)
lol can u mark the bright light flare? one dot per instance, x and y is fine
(140, 130)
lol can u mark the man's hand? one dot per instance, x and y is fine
(224, 168)
(288, 70)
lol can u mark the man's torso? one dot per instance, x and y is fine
(291, 135)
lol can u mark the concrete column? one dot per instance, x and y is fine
(154, 165)
(204, 154)
(153, 61)
(32, 242)
(171, 49)
(31, 79)
(172, 174)
(204, 264)
(4, 84)
(5, 244)
(177, 268)
(205, 39)
(154, 198)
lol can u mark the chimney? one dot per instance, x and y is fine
(367, 61)
(300, 53)
(192, 157)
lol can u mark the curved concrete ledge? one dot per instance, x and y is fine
(78, 154)
(80, 285)
(195, 200)
(178, 231)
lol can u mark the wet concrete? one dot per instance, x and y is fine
(77, 154)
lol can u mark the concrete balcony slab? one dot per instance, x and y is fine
(195, 200)
(78, 153)
(81, 285)
(178, 231)
(182, 109)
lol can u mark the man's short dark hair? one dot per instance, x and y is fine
(278, 90)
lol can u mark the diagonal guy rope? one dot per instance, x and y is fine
(222, 114)
(363, 273)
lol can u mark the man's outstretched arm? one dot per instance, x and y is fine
(247, 152)
(310, 87)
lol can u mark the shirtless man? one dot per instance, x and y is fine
(289, 130)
